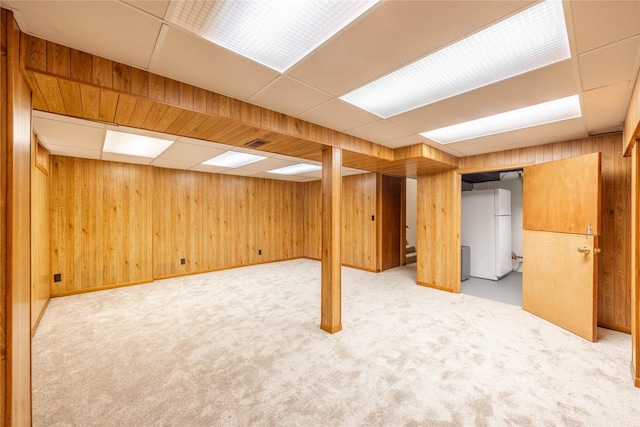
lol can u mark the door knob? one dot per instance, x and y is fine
(584, 250)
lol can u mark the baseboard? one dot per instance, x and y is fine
(440, 288)
(35, 326)
(101, 288)
(615, 328)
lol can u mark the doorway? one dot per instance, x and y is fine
(491, 236)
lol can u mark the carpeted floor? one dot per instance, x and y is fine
(243, 347)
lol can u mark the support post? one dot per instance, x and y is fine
(331, 292)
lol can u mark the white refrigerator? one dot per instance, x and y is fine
(486, 229)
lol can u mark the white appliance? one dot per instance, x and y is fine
(486, 229)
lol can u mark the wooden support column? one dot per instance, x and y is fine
(635, 265)
(331, 293)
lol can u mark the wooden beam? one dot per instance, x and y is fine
(331, 293)
(635, 263)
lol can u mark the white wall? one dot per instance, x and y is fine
(511, 181)
(412, 211)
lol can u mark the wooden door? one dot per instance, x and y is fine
(561, 221)
(391, 221)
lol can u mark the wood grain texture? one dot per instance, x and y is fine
(575, 184)
(331, 276)
(359, 218)
(438, 230)
(560, 286)
(75, 83)
(614, 309)
(101, 223)
(17, 378)
(312, 214)
(392, 224)
(631, 130)
(4, 144)
(40, 233)
(635, 264)
(221, 221)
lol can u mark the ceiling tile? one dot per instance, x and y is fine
(240, 172)
(608, 65)
(380, 131)
(606, 121)
(208, 168)
(124, 158)
(171, 164)
(155, 7)
(599, 23)
(545, 84)
(63, 150)
(203, 143)
(90, 26)
(289, 96)
(406, 141)
(189, 153)
(339, 115)
(268, 164)
(61, 133)
(294, 178)
(391, 35)
(605, 98)
(188, 58)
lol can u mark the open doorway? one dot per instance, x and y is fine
(491, 236)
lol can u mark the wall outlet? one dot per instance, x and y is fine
(57, 277)
(182, 261)
(259, 251)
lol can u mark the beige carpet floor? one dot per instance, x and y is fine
(243, 347)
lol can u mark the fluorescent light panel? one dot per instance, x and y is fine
(233, 159)
(535, 115)
(274, 33)
(532, 39)
(296, 169)
(134, 145)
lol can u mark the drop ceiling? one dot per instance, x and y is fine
(604, 38)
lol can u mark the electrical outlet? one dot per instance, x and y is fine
(259, 251)
(57, 277)
(182, 261)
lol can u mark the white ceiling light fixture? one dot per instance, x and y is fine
(296, 169)
(529, 40)
(275, 33)
(233, 159)
(534, 115)
(134, 145)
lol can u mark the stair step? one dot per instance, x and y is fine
(410, 259)
(410, 249)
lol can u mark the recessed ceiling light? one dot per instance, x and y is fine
(233, 159)
(296, 169)
(274, 33)
(134, 145)
(534, 115)
(529, 40)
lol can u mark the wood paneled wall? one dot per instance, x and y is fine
(4, 144)
(614, 291)
(438, 234)
(312, 220)
(40, 233)
(101, 224)
(635, 264)
(16, 154)
(220, 221)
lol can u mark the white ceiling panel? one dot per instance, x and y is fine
(609, 65)
(64, 150)
(188, 58)
(171, 164)
(391, 35)
(605, 121)
(545, 84)
(208, 168)
(156, 8)
(182, 152)
(289, 96)
(380, 131)
(339, 115)
(605, 98)
(599, 23)
(125, 158)
(406, 141)
(295, 178)
(268, 164)
(61, 133)
(107, 28)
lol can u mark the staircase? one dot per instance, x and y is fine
(410, 253)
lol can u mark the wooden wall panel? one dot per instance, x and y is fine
(221, 221)
(40, 233)
(4, 144)
(635, 264)
(614, 290)
(17, 378)
(438, 231)
(359, 218)
(392, 217)
(312, 214)
(101, 224)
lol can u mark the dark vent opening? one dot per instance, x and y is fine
(474, 178)
(256, 143)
